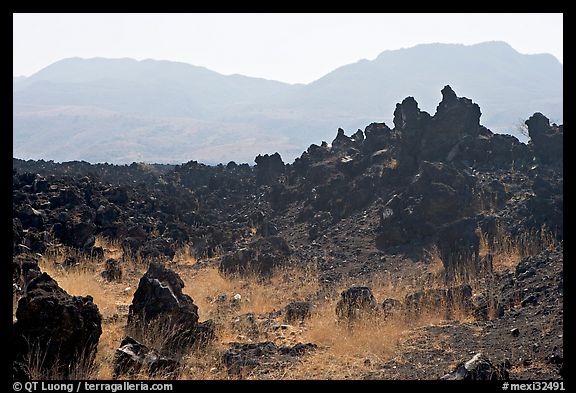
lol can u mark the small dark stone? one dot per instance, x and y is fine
(205, 332)
(529, 300)
(297, 311)
(113, 270)
(133, 358)
(355, 303)
(479, 368)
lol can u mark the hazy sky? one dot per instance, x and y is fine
(294, 48)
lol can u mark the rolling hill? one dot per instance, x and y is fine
(124, 110)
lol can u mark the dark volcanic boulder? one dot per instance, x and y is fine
(133, 358)
(547, 141)
(113, 270)
(297, 311)
(159, 298)
(159, 294)
(106, 215)
(78, 234)
(479, 368)
(30, 217)
(355, 303)
(268, 168)
(61, 329)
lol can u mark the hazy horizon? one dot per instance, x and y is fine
(291, 48)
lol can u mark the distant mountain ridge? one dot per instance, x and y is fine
(124, 110)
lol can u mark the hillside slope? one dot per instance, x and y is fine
(123, 110)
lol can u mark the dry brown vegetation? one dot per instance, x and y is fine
(508, 250)
(343, 352)
(257, 295)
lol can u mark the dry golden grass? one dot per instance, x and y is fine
(508, 250)
(112, 335)
(82, 368)
(348, 351)
(112, 248)
(520, 368)
(184, 256)
(204, 364)
(384, 286)
(85, 280)
(259, 296)
(343, 353)
(371, 337)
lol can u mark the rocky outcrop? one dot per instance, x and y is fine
(60, 329)
(546, 140)
(159, 299)
(436, 195)
(268, 168)
(428, 171)
(295, 312)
